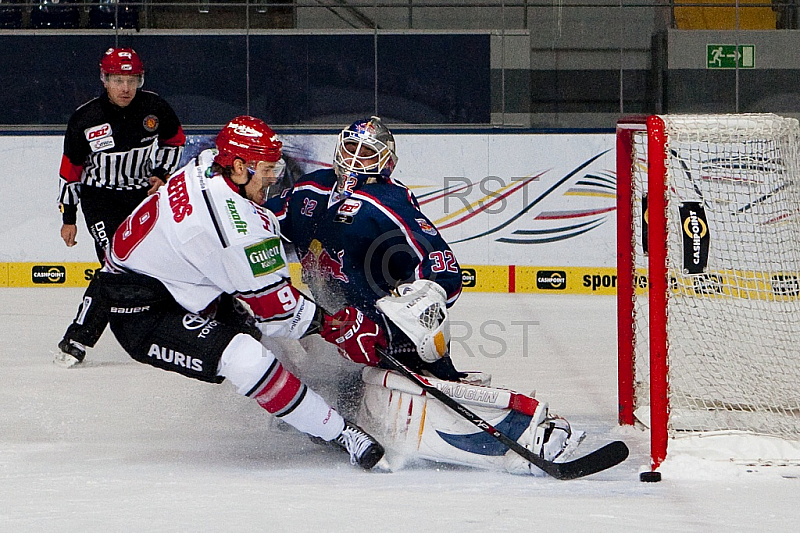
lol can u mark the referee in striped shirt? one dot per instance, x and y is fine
(118, 148)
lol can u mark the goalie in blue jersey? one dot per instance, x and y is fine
(360, 235)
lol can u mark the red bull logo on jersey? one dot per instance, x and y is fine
(265, 257)
(319, 262)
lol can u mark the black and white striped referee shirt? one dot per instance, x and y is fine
(118, 148)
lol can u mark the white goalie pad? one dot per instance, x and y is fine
(465, 393)
(420, 311)
(413, 426)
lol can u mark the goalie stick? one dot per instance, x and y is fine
(605, 457)
(600, 459)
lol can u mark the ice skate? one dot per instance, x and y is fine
(70, 353)
(553, 439)
(363, 449)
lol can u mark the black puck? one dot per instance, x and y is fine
(651, 476)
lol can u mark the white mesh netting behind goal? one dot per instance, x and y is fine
(733, 329)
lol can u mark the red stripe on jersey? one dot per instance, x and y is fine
(69, 171)
(312, 186)
(234, 187)
(281, 213)
(277, 301)
(280, 391)
(179, 139)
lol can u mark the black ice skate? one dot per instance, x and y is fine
(363, 449)
(71, 353)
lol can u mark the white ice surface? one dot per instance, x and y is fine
(117, 446)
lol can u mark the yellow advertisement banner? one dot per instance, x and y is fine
(476, 278)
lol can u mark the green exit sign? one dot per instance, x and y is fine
(730, 56)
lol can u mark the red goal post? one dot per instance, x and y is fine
(708, 266)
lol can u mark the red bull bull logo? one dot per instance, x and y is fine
(319, 262)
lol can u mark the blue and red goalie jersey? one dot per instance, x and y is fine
(355, 250)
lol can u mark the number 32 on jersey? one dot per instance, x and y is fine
(443, 261)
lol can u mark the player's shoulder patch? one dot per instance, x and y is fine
(100, 137)
(347, 210)
(265, 257)
(426, 226)
(99, 131)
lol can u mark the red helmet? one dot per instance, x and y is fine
(248, 138)
(121, 61)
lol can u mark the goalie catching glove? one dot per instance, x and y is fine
(355, 334)
(419, 310)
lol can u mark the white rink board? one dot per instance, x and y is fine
(563, 217)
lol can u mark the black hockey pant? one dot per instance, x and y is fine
(154, 329)
(104, 210)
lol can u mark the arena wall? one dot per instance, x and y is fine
(523, 212)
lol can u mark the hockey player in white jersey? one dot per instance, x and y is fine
(204, 235)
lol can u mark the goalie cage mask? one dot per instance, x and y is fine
(354, 169)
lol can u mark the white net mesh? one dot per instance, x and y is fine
(733, 330)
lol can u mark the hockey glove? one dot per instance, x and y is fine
(354, 334)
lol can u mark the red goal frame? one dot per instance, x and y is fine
(657, 278)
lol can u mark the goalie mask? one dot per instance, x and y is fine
(364, 152)
(420, 311)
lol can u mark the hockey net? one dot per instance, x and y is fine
(709, 275)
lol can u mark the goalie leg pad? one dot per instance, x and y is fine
(466, 393)
(416, 427)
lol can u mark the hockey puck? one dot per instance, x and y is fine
(651, 476)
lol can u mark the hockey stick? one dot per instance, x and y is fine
(605, 457)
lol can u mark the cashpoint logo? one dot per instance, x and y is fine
(48, 274)
(468, 277)
(551, 280)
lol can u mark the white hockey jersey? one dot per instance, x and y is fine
(200, 238)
